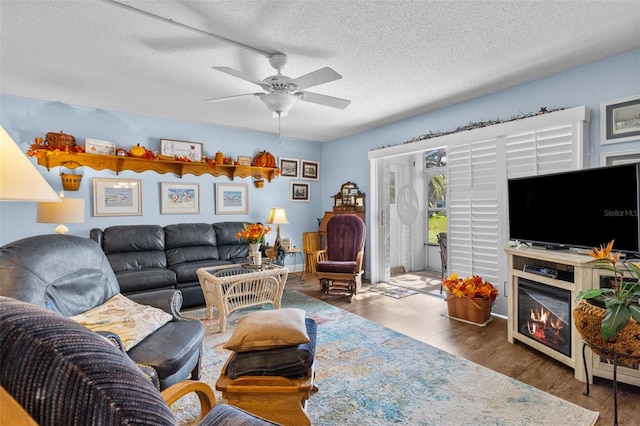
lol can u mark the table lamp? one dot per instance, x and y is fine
(70, 210)
(278, 216)
(19, 178)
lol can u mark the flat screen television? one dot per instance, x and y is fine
(578, 209)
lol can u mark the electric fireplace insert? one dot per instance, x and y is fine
(544, 314)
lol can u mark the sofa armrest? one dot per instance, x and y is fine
(149, 372)
(169, 301)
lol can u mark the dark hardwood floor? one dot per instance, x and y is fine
(420, 317)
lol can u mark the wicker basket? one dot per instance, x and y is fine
(476, 310)
(587, 319)
(71, 181)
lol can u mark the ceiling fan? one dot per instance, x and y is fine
(282, 92)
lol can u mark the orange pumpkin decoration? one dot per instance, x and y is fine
(264, 159)
(138, 151)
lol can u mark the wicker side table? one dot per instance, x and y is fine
(232, 287)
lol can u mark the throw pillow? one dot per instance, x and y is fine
(268, 330)
(131, 321)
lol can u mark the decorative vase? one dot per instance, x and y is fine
(254, 247)
(588, 318)
(476, 310)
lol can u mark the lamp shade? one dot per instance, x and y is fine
(19, 179)
(70, 210)
(278, 216)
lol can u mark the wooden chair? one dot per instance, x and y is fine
(340, 266)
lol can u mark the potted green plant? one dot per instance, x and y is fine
(609, 318)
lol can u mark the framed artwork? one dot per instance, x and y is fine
(289, 167)
(96, 146)
(617, 158)
(299, 191)
(117, 197)
(310, 169)
(244, 160)
(191, 150)
(620, 120)
(232, 198)
(179, 198)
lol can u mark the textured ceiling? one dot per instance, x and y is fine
(397, 58)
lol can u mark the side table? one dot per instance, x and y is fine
(232, 287)
(294, 252)
(613, 356)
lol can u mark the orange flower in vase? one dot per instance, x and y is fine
(253, 233)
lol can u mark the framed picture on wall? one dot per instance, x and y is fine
(232, 198)
(310, 170)
(289, 167)
(621, 157)
(117, 197)
(191, 150)
(620, 120)
(179, 198)
(299, 192)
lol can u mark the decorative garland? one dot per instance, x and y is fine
(472, 126)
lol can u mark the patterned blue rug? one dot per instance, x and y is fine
(370, 375)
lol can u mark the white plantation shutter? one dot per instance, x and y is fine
(473, 209)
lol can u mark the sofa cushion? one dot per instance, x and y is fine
(264, 330)
(229, 247)
(289, 361)
(146, 279)
(131, 321)
(134, 247)
(187, 272)
(188, 242)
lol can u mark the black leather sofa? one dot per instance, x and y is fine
(150, 258)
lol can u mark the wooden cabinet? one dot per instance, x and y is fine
(117, 164)
(349, 200)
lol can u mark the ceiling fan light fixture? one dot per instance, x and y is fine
(280, 103)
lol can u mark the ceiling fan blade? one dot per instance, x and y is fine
(321, 76)
(325, 100)
(243, 76)
(226, 98)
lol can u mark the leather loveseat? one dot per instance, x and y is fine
(150, 258)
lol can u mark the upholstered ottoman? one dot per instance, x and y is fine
(273, 383)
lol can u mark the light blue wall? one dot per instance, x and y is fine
(25, 119)
(341, 160)
(617, 77)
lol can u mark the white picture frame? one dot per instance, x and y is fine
(179, 198)
(620, 157)
(299, 192)
(620, 120)
(117, 197)
(310, 169)
(172, 148)
(232, 198)
(96, 146)
(289, 167)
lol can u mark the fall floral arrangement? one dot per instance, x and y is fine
(253, 233)
(470, 287)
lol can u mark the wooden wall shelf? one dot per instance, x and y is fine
(117, 164)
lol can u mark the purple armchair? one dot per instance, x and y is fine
(340, 266)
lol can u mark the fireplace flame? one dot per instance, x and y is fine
(545, 326)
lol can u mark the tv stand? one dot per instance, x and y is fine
(586, 275)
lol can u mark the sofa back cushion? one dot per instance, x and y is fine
(190, 242)
(63, 273)
(134, 247)
(229, 247)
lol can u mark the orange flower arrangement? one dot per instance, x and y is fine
(253, 233)
(470, 287)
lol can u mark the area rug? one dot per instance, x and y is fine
(371, 375)
(420, 281)
(390, 290)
